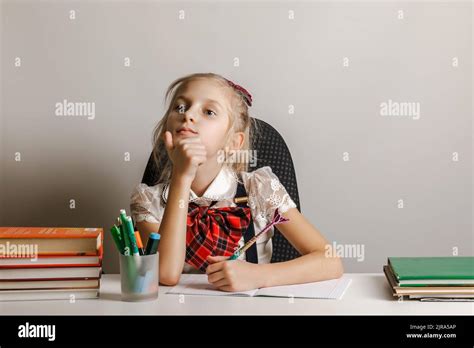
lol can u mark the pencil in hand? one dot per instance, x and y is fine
(277, 219)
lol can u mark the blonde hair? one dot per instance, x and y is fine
(240, 121)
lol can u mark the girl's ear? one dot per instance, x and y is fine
(238, 140)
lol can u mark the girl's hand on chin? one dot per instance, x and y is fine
(187, 154)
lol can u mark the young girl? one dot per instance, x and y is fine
(193, 205)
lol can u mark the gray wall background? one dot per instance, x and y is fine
(282, 62)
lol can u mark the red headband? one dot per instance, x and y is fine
(245, 93)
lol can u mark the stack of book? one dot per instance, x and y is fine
(431, 278)
(40, 263)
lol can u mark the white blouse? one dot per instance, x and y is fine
(265, 194)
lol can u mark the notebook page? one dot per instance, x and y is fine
(197, 284)
(326, 289)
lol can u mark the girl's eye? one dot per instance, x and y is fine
(213, 113)
(180, 108)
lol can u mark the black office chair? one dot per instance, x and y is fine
(273, 152)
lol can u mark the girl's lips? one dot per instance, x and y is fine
(186, 132)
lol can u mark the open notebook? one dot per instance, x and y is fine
(197, 284)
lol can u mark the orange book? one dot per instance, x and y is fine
(44, 261)
(26, 242)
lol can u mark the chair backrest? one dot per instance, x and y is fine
(272, 151)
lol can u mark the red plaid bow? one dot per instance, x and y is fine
(215, 232)
(245, 93)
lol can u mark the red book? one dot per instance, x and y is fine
(29, 242)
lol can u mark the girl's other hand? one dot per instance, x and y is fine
(232, 275)
(187, 154)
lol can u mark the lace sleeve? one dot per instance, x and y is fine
(266, 194)
(145, 203)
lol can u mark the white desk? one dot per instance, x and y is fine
(369, 294)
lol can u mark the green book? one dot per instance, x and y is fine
(430, 271)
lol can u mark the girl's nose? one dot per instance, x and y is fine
(189, 116)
